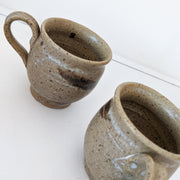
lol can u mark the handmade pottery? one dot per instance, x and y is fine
(65, 62)
(134, 136)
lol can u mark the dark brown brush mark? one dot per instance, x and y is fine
(77, 81)
(105, 109)
(72, 35)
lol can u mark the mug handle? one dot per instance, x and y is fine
(14, 43)
(140, 166)
(154, 170)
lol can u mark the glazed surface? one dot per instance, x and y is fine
(57, 77)
(72, 43)
(134, 136)
(150, 125)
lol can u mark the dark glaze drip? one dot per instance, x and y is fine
(105, 109)
(77, 81)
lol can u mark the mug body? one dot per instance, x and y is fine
(134, 136)
(66, 62)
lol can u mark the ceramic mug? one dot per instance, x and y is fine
(66, 59)
(134, 136)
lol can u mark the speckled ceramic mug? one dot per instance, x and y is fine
(65, 62)
(134, 136)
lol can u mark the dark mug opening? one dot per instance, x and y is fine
(77, 39)
(153, 115)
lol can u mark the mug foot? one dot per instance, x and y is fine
(46, 102)
(88, 171)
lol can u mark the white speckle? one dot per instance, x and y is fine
(143, 173)
(60, 64)
(64, 65)
(94, 39)
(118, 163)
(123, 163)
(133, 165)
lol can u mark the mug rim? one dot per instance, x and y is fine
(46, 37)
(136, 132)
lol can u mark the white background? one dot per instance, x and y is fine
(40, 143)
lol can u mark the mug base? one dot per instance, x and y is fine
(88, 171)
(46, 102)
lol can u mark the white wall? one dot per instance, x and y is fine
(147, 32)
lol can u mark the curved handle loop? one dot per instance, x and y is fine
(160, 172)
(14, 43)
(153, 169)
(140, 166)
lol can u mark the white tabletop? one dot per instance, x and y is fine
(39, 143)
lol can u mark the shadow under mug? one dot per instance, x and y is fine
(66, 59)
(135, 136)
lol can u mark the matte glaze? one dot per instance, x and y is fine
(65, 62)
(134, 136)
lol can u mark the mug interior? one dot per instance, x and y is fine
(77, 39)
(153, 115)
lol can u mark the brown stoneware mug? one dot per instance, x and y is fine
(134, 136)
(65, 62)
